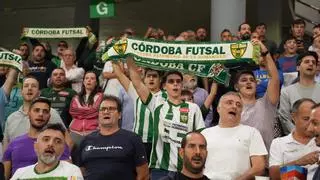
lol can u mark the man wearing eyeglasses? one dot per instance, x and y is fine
(111, 152)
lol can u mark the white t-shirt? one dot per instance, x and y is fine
(286, 149)
(230, 149)
(63, 171)
(113, 85)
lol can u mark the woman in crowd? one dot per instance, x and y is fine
(84, 108)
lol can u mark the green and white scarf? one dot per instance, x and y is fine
(55, 32)
(201, 59)
(10, 59)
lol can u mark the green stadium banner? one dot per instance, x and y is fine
(102, 8)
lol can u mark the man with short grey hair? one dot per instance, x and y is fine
(230, 137)
(297, 148)
(74, 74)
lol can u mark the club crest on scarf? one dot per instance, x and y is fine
(121, 46)
(238, 49)
(216, 69)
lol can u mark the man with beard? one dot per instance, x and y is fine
(244, 31)
(306, 87)
(40, 67)
(24, 48)
(49, 146)
(18, 123)
(20, 151)
(298, 148)
(193, 151)
(201, 34)
(235, 151)
(111, 152)
(60, 95)
(315, 128)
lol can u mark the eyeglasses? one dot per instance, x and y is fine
(172, 81)
(110, 109)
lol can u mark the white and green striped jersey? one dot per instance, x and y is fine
(171, 123)
(143, 121)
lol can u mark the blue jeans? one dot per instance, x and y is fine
(157, 174)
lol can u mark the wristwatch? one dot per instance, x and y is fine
(263, 54)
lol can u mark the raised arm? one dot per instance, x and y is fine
(148, 32)
(213, 91)
(118, 71)
(109, 75)
(206, 108)
(11, 78)
(141, 89)
(205, 83)
(273, 89)
(10, 81)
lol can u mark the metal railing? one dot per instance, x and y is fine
(308, 10)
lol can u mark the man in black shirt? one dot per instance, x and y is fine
(39, 67)
(193, 151)
(111, 152)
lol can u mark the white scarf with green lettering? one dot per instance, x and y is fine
(55, 32)
(10, 59)
(201, 59)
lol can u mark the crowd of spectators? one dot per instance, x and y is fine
(116, 120)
